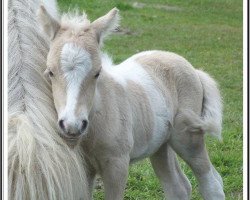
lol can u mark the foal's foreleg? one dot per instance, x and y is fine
(114, 174)
(175, 184)
(191, 147)
(91, 174)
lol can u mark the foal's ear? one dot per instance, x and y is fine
(106, 24)
(49, 24)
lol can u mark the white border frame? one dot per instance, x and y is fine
(5, 99)
(245, 100)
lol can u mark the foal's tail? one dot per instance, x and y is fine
(212, 105)
(210, 120)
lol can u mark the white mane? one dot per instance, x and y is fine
(41, 165)
(107, 62)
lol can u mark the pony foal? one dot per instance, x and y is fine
(147, 106)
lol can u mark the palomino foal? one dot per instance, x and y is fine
(149, 105)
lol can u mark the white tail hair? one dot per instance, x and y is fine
(212, 104)
(40, 164)
(210, 120)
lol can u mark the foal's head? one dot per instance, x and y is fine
(74, 64)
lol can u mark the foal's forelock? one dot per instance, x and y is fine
(75, 65)
(75, 19)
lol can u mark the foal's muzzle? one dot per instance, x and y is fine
(72, 130)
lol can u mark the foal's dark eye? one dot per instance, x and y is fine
(51, 73)
(97, 74)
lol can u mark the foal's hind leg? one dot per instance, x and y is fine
(191, 147)
(175, 184)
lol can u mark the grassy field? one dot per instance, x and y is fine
(208, 33)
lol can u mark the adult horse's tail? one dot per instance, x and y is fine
(41, 166)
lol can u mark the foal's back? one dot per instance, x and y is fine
(175, 77)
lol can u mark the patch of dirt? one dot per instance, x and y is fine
(157, 6)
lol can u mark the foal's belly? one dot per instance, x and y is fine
(150, 114)
(147, 143)
(150, 124)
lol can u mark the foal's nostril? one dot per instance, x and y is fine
(84, 124)
(61, 124)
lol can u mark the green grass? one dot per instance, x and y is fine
(208, 33)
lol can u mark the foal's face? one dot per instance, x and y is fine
(73, 66)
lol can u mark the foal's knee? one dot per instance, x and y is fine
(217, 176)
(180, 192)
(186, 190)
(210, 186)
